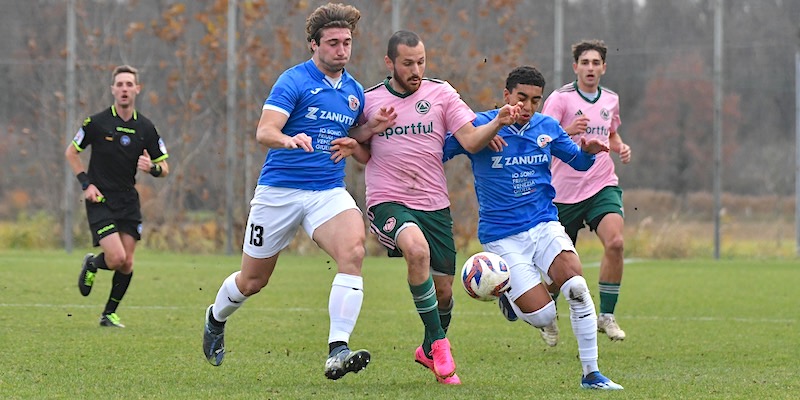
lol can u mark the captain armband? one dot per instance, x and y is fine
(155, 170)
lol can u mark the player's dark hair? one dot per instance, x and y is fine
(406, 38)
(331, 15)
(125, 69)
(586, 45)
(524, 75)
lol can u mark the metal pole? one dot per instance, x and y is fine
(718, 10)
(69, 179)
(248, 142)
(396, 15)
(558, 45)
(230, 138)
(797, 151)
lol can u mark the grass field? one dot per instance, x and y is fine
(699, 329)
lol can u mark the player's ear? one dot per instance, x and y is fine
(388, 62)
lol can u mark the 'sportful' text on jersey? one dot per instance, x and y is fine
(565, 105)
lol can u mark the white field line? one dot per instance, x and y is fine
(493, 310)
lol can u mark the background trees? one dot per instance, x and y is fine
(660, 57)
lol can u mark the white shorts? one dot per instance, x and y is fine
(276, 213)
(529, 254)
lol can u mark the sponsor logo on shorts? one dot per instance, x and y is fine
(106, 229)
(389, 225)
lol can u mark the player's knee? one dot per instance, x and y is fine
(541, 317)
(249, 287)
(116, 261)
(417, 253)
(615, 245)
(576, 290)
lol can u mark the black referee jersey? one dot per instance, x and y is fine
(116, 147)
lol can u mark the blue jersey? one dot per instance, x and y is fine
(514, 186)
(321, 111)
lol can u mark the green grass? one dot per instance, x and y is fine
(699, 329)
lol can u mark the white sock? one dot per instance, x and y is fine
(229, 299)
(584, 321)
(344, 305)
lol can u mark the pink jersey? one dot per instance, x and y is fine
(566, 104)
(406, 164)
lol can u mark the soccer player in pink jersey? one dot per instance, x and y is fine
(407, 200)
(587, 110)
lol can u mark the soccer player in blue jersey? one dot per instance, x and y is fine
(305, 123)
(518, 220)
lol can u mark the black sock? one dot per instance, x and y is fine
(119, 285)
(334, 346)
(214, 322)
(99, 262)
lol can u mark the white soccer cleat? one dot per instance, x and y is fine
(608, 325)
(550, 333)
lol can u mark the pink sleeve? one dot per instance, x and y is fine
(457, 112)
(552, 107)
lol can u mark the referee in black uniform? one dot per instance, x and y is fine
(123, 141)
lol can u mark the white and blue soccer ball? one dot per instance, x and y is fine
(485, 276)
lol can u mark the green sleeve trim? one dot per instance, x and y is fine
(162, 158)
(76, 146)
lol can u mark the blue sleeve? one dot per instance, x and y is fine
(284, 94)
(452, 147)
(566, 150)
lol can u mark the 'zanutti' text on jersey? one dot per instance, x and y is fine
(322, 111)
(513, 185)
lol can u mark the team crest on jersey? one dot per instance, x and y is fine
(605, 114)
(389, 225)
(125, 140)
(422, 106)
(353, 102)
(543, 140)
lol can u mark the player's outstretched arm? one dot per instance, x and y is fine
(344, 147)
(379, 122)
(474, 139)
(593, 145)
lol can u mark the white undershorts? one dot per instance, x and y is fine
(276, 213)
(529, 254)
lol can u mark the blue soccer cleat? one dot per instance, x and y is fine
(505, 308)
(596, 380)
(343, 360)
(213, 341)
